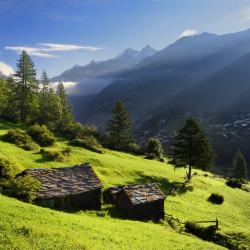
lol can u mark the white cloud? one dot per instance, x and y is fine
(188, 33)
(69, 86)
(6, 69)
(49, 47)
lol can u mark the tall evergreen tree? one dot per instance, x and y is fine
(66, 117)
(239, 166)
(27, 87)
(119, 127)
(44, 101)
(8, 99)
(191, 148)
(45, 82)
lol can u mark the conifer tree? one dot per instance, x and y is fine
(119, 127)
(239, 166)
(52, 110)
(191, 148)
(27, 87)
(45, 100)
(66, 109)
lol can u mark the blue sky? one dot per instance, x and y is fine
(61, 33)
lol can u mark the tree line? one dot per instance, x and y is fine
(25, 99)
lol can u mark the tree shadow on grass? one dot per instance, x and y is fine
(166, 186)
(9, 125)
(107, 210)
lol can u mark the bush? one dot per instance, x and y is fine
(151, 156)
(192, 227)
(216, 198)
(90, 143)
(172, 223)
(24, 188)
(21, 139)
(67, 151)
(153, 147)
(9, 169)
(42, 135)
(76, 130)
(132, 147)
(42, 150)
(31, 146)
(56, 156)
(234, 183)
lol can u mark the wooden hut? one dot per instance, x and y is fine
(66, 187)
(142, 202)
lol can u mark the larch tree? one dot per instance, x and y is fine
(66, 109)
(27, 87)
(191, 148)
(119, 127)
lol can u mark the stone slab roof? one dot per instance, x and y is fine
(139, 194)
(61, 182)
(116, 189)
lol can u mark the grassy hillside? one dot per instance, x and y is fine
(26, 226)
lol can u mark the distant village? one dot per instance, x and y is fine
(234, 131)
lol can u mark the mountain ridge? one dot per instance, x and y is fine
(173, 76)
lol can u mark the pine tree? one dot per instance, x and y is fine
(8, 99)
(119, 127)
(52, 114)
(44, 100)
(239, 166)
(66, 117)
(45, 82)
(191, 148)
(27, 87)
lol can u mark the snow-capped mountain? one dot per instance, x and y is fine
(93, 77)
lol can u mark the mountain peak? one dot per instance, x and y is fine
(92, 62)
(128, 52)
(146, 52)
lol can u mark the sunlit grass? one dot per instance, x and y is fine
(25, 226)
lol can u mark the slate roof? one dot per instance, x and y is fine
(139, 194)
(60, 182)
(116, 189)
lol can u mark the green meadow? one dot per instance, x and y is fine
(27, 226)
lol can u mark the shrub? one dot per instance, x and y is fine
(234, 183)
(31, 146)
(76, 130)
(151, 156)
(55, 156)
(67, 151)
(42, 151)
(9, 169)
(24, 188)
(132, 147)
(42, 135)
(172, 223)
(192, 227)
(21, 139)
(206, 233)
(153, 146)
(216, 198)
(90, 143)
